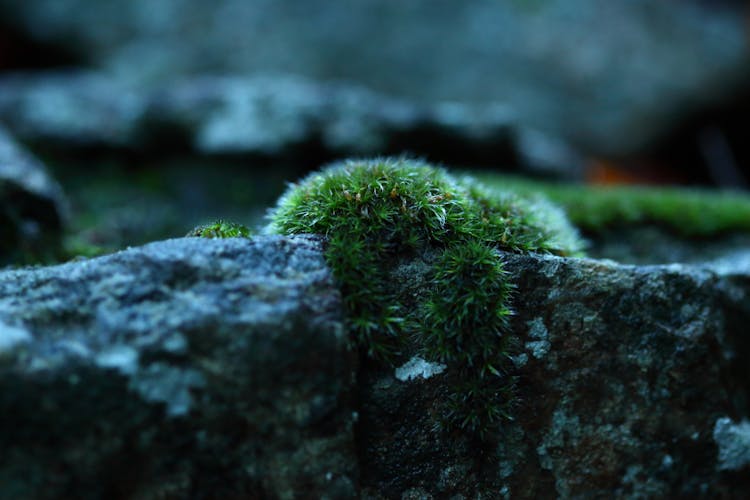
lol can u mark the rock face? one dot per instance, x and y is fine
(32, 205)
(632, 383)
(208, 368)
(606, 76)
(186, 368)
(629, 370)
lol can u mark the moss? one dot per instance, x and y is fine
(75, 247)
(221, 229)
(687, 212)
(376, 213)
(471, 294)
(465, 325)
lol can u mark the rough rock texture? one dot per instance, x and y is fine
(606, 75)
(632, 383)
(32, 205)
(218, 368)
(629, 369)
(267, 115)
(187, 368)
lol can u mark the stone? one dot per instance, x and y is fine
(268, 115)
(733, 441)
(184, 368)
(625, 377)
(33, 208)
(644, 244)
(71, 109)
(210, 367)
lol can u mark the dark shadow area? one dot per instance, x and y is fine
(18, 51)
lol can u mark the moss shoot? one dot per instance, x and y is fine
(375, 212)
(220, 229)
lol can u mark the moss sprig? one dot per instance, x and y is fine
(221, 229)
(467, 312)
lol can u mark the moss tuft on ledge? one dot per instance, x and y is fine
(376, 212)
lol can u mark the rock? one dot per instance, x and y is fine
(71, 109)
(734, 443)
(32, 205)
(607, 77)
(267, 114)
(641, 363)
(262, 115)
(627, 379)
(185, 368)
(645, 244)
(219, 368)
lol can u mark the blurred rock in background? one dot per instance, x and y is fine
(607, 77)
(32, 206)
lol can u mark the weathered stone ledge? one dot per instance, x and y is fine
(219, 368)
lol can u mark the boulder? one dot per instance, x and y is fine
(70, 109)
(185, 368)
(220, 368)
(632, 382)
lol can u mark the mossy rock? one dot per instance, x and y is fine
(377, 212)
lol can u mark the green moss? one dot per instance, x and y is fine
(221, 229)
(465, 325)
(467, 309)
(76, 247)
(686, 212)
(376, 213)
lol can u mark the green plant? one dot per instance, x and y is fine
(693, 213)
(376, 213)
(465, 324)
(467, 309)
(220, 229)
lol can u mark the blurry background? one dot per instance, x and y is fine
(156, 115)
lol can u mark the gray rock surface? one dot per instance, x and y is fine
(32, 206)
(608, 76)
(208, 368)
(186, 368)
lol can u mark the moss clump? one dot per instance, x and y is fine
(376, 212)
(221, 229)
(405, 203)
